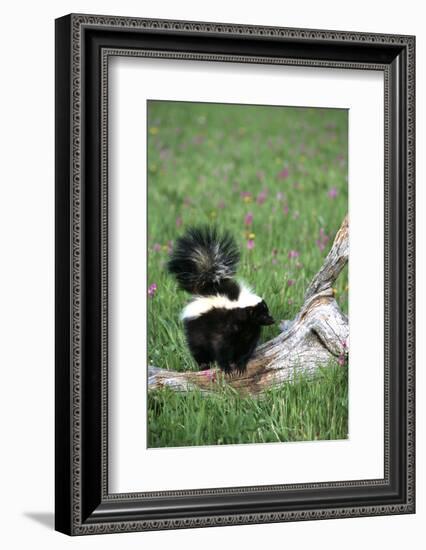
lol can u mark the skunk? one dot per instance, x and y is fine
(224, 319)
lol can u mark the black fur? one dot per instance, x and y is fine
(204, 263)
(226, 336)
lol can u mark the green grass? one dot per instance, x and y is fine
(212, 163)
(305, 410)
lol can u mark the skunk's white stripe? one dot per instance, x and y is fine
(202, 304)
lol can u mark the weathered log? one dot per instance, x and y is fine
(317, 337)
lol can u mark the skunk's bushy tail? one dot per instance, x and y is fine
(204, 260)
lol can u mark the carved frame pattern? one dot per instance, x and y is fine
(71, 519)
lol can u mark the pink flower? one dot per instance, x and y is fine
(178, 221)
(248, 220)
(274, 261)
(283, 174)
(291, 282)
(323, 239)
(261, 197)
(152, 290)
(286, 209)
(250, 244)
(293, 254)
(156, 247)
(341, 360)
(332, 193)
(210, 374)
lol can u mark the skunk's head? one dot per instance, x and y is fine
(257, 314)
(261, 314)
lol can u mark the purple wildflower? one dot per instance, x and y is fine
(283, 174)
(156, 247)
(152, 290)
(248, 219)
(210, 374)
(332, 193)
(261, 197)
(293, 254)
(250, 244)
(323, 239)
(286, 209)
(290, 282)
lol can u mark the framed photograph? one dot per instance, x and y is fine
(234, 274)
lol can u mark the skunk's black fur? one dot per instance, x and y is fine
(224, 320)
(204, 262)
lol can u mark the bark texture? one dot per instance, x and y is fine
(317, 336)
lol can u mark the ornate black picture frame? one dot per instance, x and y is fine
(84, 44)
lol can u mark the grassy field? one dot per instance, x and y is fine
(277, 179)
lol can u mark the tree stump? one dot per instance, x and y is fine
(317, 337)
